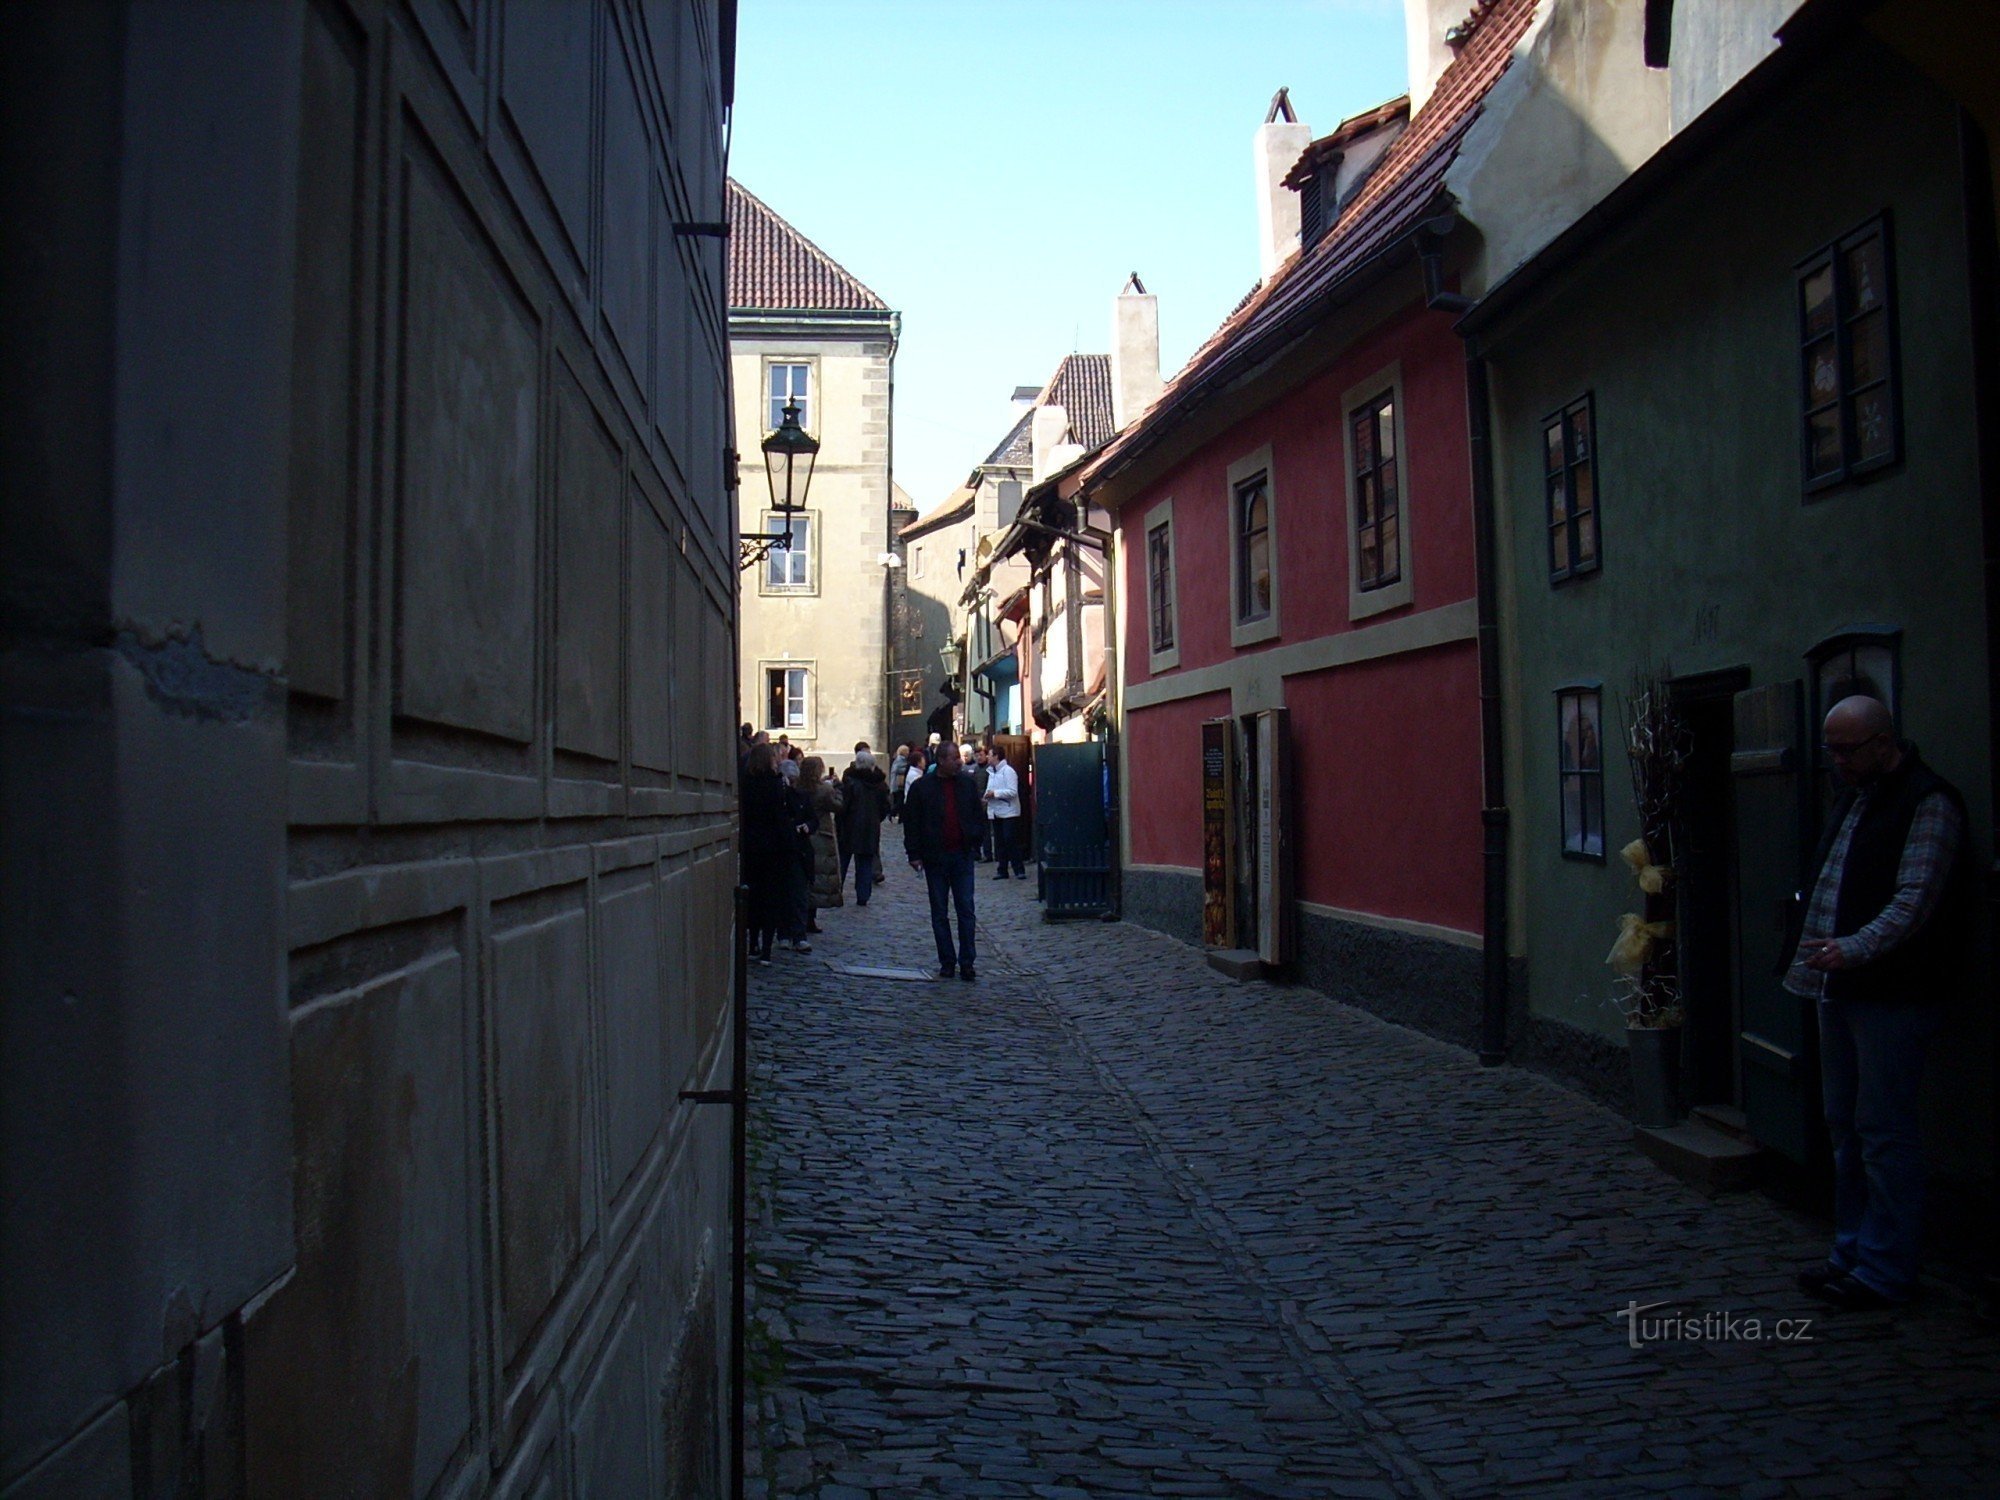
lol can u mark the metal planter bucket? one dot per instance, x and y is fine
(1656, 1075)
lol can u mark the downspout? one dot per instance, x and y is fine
(1493, 815)
(891, 577)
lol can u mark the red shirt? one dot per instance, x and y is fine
(954, 837)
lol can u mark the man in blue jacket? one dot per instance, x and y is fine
(943, 825)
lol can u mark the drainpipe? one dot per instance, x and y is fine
(1429, 241)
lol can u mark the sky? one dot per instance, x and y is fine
(993, 170)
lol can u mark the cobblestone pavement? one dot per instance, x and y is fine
(1104, 1223)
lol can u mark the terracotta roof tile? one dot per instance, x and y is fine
(1400, 193)
(1081, 386)
(772, 266)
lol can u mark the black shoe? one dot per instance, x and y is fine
(861, 903)
(1001, 876)
(965, 972)
(944, 973)
(1817, 1277)
(1849, 1295)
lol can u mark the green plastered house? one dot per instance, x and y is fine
(1742, 425)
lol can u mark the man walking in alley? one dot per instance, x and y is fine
(1003, 806)
(942, 825)
(1880, 950)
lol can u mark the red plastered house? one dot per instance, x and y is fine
(1298, 619)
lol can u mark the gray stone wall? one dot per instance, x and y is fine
(366, 694)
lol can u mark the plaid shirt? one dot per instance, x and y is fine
(1920, 881)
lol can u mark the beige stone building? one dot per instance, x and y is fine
(813, 664)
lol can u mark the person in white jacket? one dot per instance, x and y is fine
(1003, 810)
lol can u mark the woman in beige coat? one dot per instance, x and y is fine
(824, 795)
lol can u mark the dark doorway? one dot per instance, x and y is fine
(1705, 878)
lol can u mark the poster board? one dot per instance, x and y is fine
(1276, 920)
(1218, 833)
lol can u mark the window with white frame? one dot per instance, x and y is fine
(788, 569)
(1376, 464)
(786, 691)
(917, 561)
(1253, 549)
(785, 382)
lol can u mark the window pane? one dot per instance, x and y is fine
(1364, 442)
(1386, 415)
(1558, 498)
(1392, 552)
(1586, 538)
(1386, 483)
(1589, 754)
(1364, 501)
(1823, 442)
(1256, 513)
(1586, 490)
(1872, 433)
(774, 696)
(779, 374)
(1367, 558)
(1552, 448)
(1572, 814)
(1822, 379)
(1865, 282)
(1567, 706)
(1579, 436)
(1868, 349)
(1260, 574)
(1816, 302)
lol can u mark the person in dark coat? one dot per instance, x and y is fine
(775, 817)
(867, 792)
(943, 823)
(1881, 949)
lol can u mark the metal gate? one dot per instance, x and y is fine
(1072, 838)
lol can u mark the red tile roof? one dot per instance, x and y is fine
(774, 267)
(1081, 386)
(1400, 194)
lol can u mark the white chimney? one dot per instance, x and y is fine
(1046, 431)
(1280, 140)
(1425, 24)
(1135, 352)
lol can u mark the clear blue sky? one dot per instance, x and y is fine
(993, 169)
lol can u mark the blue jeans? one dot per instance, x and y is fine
(864, 877)
(950, 880)
(1871, 1058)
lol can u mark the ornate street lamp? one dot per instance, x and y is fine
(789, 481)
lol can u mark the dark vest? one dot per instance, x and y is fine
(1926, 966)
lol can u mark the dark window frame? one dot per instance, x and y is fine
(1564, 562)
(1589, 778)
(1833, 257)
(1380, 412)
(1247, 610)
(1160, 586)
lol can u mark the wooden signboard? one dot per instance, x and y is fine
(1218, 833)
(1274, 837)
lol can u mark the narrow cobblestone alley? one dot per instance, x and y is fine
(1103, 1223)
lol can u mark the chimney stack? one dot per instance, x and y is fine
(1426, 24)
(1135, 352)
(1280, 140)
(1046, 431)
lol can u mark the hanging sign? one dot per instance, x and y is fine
(1218, 833)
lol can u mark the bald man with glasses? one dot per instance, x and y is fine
(1880, 948)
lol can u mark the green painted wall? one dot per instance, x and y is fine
(1683, 328)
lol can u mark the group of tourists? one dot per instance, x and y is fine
(804, 831)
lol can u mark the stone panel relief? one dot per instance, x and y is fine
(589, 506)
(629, 972)
(651, 658)
(545, 66)
(466, 564)
(628, 242)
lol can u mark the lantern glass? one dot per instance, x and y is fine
(789, 455)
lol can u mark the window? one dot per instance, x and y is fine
(1253, 549)
(1569, 477)
(1378, 495)
(1163, 640)
(788, 382)
(1580, 762)
(789, 570)
(1847, 337)
(785, 697)
(1378, 548)
(1253, 556)
(917, 561)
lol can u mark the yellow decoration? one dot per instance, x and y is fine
(1636, 940)
(1637, 855)
(1652, 878)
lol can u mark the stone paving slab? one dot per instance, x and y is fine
(1106, 1223)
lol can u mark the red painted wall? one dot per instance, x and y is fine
(1388, 791)
(1163, 778)
(1387, 786)
(1305, 431)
